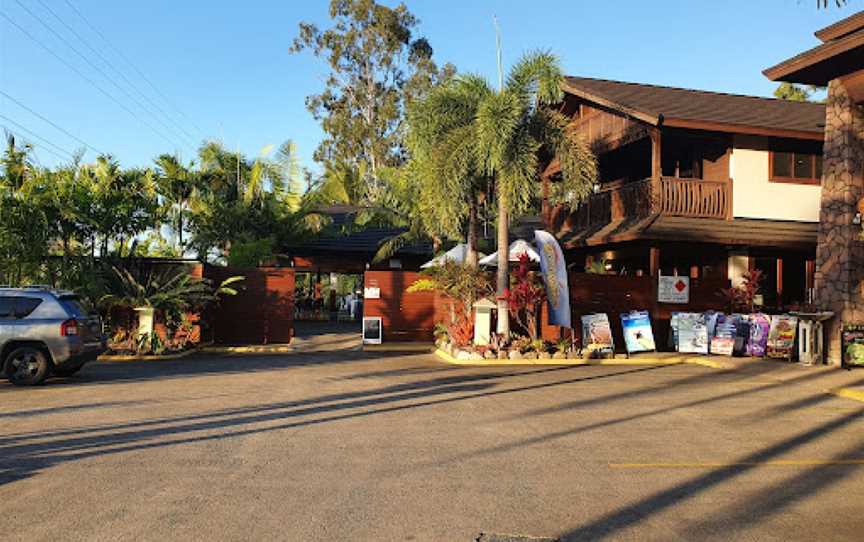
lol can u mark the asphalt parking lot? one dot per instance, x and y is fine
(342, 445)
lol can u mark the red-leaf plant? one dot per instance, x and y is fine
(740, 298)
(525, 296)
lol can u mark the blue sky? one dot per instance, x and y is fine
(225, 65)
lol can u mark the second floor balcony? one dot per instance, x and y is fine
(672, 196)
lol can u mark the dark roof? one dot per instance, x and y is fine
(364, 241)
(740, 231)
(729, 112)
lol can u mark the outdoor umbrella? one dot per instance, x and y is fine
(517, 248)
(456, 254)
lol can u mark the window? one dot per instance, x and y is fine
(7, 305)
(796, 167)
(25, 305)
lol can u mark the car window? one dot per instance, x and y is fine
(7, 306)
(25, 305)
(75, 306)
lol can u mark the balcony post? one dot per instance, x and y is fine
(656, 169)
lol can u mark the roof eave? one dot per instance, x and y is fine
(742, 129)
(644, 116)
(792, 70)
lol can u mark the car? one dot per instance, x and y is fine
(46, 332)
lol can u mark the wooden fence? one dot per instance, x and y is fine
(412, 316)
(262, 313)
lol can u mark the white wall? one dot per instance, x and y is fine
(754, 197)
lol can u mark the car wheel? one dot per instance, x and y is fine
(66, 370)
(27, 366)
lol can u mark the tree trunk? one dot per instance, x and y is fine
(471, 252)
(503, 282)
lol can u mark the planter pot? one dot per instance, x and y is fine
(489, 355)
(463, 355)
(515, 354)
(574, 355)
(502, 354)
(529, 355)
(475, 356)
(559, 355)
(544, 355)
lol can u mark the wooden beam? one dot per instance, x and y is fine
(654, 261)
(731, 128)
(780, 282)
(656, 167)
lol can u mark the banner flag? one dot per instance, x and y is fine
(555, 275)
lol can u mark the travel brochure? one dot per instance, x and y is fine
(757, 335)
(597, 335)
(853, 345)
(638, 336)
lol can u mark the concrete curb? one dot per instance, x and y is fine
(849, 393)
(278, 348)
(398, 347)
(113, 358)
(642, 359)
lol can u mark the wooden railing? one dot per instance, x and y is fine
(695, 198)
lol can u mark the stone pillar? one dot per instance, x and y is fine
(840, 252)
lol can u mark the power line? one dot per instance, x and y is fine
(37, 136)
(34, 113)
(112, 67)
(9, 130)
(119, 53)
(76, 70)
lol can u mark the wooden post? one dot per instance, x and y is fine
(779, 282)
(654, 261)
(656, 168)
(545, 211)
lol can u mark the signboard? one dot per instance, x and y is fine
(597, 335)
(372, 292)
(673, 289)
(757, 345)
(638, 335)
(742, 334)
(692, 333)
(852, 341)
(723, 340)
(373, 330)
(781, 336)
(555, 276)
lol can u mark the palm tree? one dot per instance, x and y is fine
(501, 136)
(176, 184)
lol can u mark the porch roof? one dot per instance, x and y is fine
(740, 231)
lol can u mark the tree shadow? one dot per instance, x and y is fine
(628, 516)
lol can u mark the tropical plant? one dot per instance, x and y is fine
(503, 135)
(525, 297)
(169, 291)
(462, 286)
(740, 298)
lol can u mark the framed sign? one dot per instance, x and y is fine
(372, 292)
(760, 325)
(597, 335)
(673, 289)
(852, 341)
(781, 336)
(638, 335)
(725, 331)
(373, 330)
(692, 333)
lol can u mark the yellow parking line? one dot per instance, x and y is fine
(722, 464)
(848, 393)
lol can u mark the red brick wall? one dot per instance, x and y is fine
(263, 311)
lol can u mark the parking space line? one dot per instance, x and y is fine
(723, 464)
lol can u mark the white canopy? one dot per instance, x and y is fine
(456, 254)
(517, 248)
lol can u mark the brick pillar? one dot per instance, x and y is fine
(840, 252)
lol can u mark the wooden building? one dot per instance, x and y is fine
(695, 183)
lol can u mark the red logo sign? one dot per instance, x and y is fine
(680, 286)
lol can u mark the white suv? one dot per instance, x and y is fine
(44, 332)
